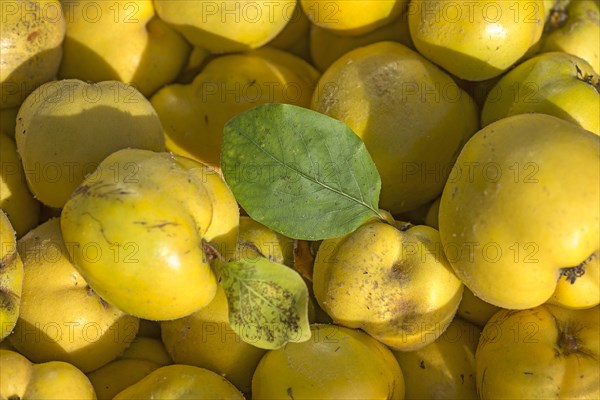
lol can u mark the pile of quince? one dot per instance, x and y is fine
(291, 199)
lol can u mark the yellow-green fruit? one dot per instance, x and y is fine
(555, 83)
(149, 349)
(326, 45)
(121, 40)
(181, 382)
(54, 380)
(475, 40)
(584, 292)
(542, 353)
(15, 198)
(65, 128)
(255, 237)
(32, 34)
(579, 34)
(336, 363)
(475, 310)
(15, 374)
(393, 282)
(206, 339)
(519, 210)
(148, 225)
(8, 120)
(194, 115)
(229, 26)
(11, 277)
(411, 115)
(58, 380)
(352, 17)
(61, 318)
(444, 369)
(118, 375)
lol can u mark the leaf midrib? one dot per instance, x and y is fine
(309, 178)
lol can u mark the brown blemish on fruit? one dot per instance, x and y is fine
(32, 36)
(8, 261)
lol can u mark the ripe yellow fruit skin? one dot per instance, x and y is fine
(11, 277)
(61, 319)
(336, 363)
(32, 35)
(229, 26)
(580, 35)
(542, 353)
(121, 40)
(66, 128)
(351, 17)
(412, 117)
(53, 380)
(444, 369)
(524, 210)
(584, 292)
(552, 83)
(475, 40)
(156, 218)
(395, 285)
(181, 382)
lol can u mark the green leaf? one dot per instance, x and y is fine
(299, 172)
(268, 302)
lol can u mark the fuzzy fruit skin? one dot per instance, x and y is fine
(181, 382)
(554, 83)
(32, 35)
(351, 17)
(475, 40)
(53, 380)
(61, 319)
(66, 128)
(94, 49)
(156, 210)
(525, 209)
(336, 363)
(411, 115)
(11, 277)
(395, 285)
(546, 352)
(226, 27)
(444, 369)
